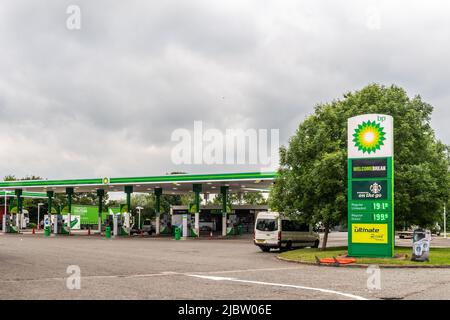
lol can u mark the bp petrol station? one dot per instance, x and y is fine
(177, 184)
(370, 191)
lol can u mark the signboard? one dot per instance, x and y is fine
(370, 186)
(75, 221)
(369, 168)
(47, 222)
(369, 190)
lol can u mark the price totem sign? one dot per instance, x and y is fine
(371, 186)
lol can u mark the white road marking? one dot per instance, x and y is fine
(348, 295)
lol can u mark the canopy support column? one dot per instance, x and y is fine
(158, 193)
(5, 213)
(50, 195)
(129, 191)
(197, 188)
(69, 192)
(224, 192)
(100, 194)
(19, 209)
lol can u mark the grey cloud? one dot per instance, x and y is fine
(104, 100)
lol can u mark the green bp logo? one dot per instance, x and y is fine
(369, 137)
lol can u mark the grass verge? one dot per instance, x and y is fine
(438, 256)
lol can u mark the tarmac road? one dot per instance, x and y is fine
(34, 267)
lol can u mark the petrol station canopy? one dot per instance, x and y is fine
(170, 184)
(11, 194)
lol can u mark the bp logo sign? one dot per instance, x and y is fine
(370, 186)
(369, 137)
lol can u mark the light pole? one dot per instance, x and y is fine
(39, 213)
(445, 222)
(139, 221)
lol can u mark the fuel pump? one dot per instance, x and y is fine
(12, 221)
(164, 224)
(232, 224)
(8, 224)
(4, 224)
(116, 218)
(122, 224)
(191, 225)
(57, 223)
(17, 221)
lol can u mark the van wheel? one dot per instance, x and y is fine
(264, 249)
(288, 245)
(316, 244)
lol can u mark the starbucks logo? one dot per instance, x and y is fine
(375, 188)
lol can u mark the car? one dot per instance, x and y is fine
(274, 231)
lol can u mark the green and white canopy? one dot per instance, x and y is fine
(170, 184)
(10, 194)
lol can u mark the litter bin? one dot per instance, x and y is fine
(47, 231)
(177, 233)
(421, 245)
(108, 232)
(240, 230)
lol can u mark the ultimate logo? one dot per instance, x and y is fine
(369, 137)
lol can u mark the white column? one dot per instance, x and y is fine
(158, 224)
(115, 226)
(99, 224)
(197, 223)
(55, 223)
(445, 222)
(69, 218)
(5, 212)
(224, 224)
(18, 220)
(4, 223)
(185, 225)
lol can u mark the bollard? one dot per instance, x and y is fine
(33, 232)
(108, 232)
(177, 233)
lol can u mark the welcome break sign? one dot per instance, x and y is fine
(370, 186)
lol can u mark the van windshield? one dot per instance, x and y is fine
(267, 225)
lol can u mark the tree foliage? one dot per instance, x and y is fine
(252, 198)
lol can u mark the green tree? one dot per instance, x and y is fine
(147, 201)
(253, 198)
(312, 183)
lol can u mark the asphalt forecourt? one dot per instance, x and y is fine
(164, 269)
(439, 258)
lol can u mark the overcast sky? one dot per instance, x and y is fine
(105, 99)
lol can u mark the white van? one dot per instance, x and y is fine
(275, 231)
